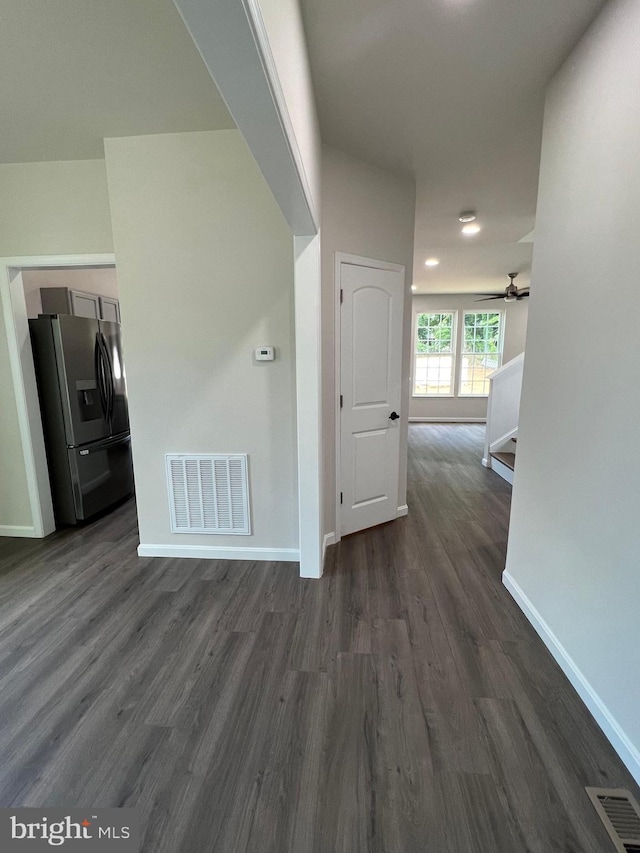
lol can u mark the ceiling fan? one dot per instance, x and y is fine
(511, 292)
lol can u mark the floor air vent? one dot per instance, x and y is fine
(620, 814)
(208, 494)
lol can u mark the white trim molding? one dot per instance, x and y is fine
(452, 420)
(19, 530)
(307, 292)
(263, 45)
(402, 510)
(232, 40)
(214, 552)
(605, 719)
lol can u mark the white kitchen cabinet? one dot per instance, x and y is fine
(85, 304)
(63, 300)
(109, 309)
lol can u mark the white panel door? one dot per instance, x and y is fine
(370, 384)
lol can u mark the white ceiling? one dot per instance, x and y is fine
(75, 71)
(448, 91)
(452, 93)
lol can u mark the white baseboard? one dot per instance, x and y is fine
(329, 539)
(213, 552)
(486, 462)
(618, 739)
(18, 530)
(402, 510)
(448, 420)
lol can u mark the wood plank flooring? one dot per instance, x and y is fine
(400, 704)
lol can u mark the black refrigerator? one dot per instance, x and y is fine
(83, 399)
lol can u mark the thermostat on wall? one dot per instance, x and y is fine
(264, 354)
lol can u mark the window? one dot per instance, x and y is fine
(481, 352)
(433, 369)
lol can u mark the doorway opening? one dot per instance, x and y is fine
(30, 286)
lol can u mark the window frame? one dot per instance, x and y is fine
(454, 354)
(502, 314)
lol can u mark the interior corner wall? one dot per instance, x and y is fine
(371, 213)
(515, 330)
(57, 208)
(572, 559)
(205, 270)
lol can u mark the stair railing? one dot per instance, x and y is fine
(503, 406)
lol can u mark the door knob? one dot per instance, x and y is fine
(394, 416)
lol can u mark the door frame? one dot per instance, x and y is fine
(24, 380)
(372, 263)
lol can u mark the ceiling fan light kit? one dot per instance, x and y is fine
(511, 292)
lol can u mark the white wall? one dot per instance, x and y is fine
(100, 280)
(573, 546)
(47, 209)
(256, 53)
(366, 212)
(205, 270)
(54, 208)
(515, 330)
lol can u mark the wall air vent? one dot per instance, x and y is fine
(620, 814)
(208, 493)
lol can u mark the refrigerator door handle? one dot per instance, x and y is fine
(100, 377)
(108, 369)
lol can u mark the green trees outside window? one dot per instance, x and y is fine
(480, 342)
(481, 351)
(433, 370)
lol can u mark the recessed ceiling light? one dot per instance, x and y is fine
(431, 262)
(472, 228)
(414, 287)
(467, 216)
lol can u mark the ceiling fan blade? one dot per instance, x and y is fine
(489, 298)
(522, 294)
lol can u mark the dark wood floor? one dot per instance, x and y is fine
(401, 704)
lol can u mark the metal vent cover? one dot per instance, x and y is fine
(208, 493)
(620, 814)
